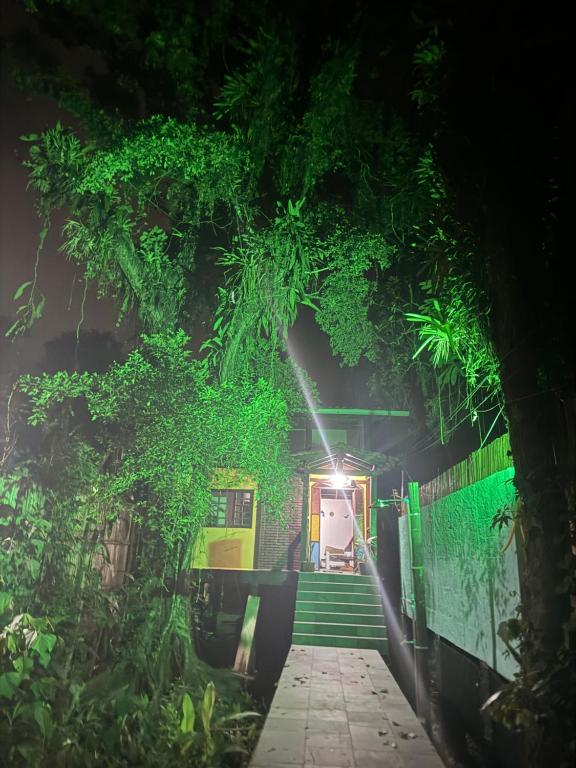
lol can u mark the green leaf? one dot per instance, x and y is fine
(207, 709)
(20, 290)
(5, 601)
(34, 568)
(39, 309)
(43, 716)
(188, 715)
(13, 328)
(44, 644)
(9, 683)
(23, 665)
(309, 303)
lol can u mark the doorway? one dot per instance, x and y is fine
(336, 529)
(338, 520)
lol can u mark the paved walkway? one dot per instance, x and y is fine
(341, 708)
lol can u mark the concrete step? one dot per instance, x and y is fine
(324, 576)
(345, 606)
(328, 628)
(341, 641)
(339, 617)
(348, 587)
(334, 596)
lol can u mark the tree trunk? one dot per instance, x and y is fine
(540, 461)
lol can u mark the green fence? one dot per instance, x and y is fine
(471, 567)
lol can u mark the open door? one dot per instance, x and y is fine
(338, 521)
(336, 529)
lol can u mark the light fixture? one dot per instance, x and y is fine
(339, 479)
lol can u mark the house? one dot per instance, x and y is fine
(327, 516)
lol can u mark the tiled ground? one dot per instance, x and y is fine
(341, 708)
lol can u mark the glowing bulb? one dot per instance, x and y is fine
(338, 480)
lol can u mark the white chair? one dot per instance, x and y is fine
(335, 557)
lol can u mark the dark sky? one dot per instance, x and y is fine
(58, 279)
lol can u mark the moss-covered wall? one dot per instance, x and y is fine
(471, 579)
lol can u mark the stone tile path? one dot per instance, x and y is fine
(341, 708)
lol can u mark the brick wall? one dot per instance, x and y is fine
(277, 545)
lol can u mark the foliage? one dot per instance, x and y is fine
(322, 144)
(428, 61)
(176, 429)
(24, 532)
(270, 273)
(101, 680)
(257, 96)
(48, 717)
(280, 135)
(541, 693)
(452, 336)
(110, 192)
(347, 293)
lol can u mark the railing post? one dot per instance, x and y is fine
(417, 569)
(305, 539)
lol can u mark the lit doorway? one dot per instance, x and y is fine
(338, 521)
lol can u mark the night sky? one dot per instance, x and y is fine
(58, 279)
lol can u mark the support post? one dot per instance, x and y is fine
(417, 569)
(244, 655)
(374, 514)
(305, 538)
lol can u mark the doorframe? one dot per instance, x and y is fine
(310, 527)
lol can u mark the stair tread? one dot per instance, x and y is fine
(341, 624)
(339, 613)
(334, 592)
(338, 637)
(336, 602)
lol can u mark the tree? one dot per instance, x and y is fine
(499, 125)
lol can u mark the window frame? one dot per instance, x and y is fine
(232, 510)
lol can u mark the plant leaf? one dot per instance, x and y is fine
(20, 290)
(207, 709)
(188, 715)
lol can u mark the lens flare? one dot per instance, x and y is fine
(394, 630)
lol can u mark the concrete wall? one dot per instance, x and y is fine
(471, 578)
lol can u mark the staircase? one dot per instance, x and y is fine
(340, 611)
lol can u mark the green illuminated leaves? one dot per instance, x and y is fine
(269, 273)
(179, 169)
(207, 707)
(213, 162)
(46, 390)
(188, 715)
(175, 429)
(437, 334)
(347, 293)
(257, 96)
(428, 62)
(20, 290)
